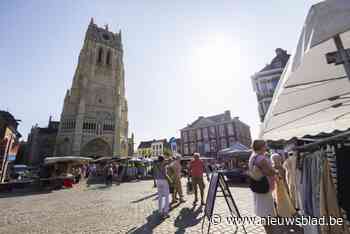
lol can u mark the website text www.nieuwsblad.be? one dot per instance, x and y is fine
(298, 221)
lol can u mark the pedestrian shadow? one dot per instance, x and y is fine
(153, 221)
(144, 198)
(187, 218)
(100, 187)
(174, 206)
(20, 193)
(95, 180)
(238, 185)
(99, 182)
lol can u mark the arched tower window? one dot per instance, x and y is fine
(100, 55)
(108, 60)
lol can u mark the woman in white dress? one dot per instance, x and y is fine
(263, 202)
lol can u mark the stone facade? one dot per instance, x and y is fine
(144, 149)
(94, 119)
(153, 148)
(265, 81)
(41, 142)
(209, 135)
(159, 147)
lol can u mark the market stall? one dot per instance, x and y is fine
(311, 106)
(60, 171)
(236, 156)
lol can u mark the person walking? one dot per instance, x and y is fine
(88, 170)
(160, 174)
(153, 172)
(177, 182)
(260, 163)
(109, 175)
(171, 176)
(196, 171)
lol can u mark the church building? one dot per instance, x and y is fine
(94, 119)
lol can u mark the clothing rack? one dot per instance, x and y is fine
(323, 141)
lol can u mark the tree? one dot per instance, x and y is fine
(167, 152)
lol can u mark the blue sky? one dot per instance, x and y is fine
(183, 59)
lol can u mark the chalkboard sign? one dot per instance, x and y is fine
(208, 212)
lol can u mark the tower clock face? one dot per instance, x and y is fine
(105, 37)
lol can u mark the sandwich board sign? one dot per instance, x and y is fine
(218, 180)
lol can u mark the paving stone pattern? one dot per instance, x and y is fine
(125, 208)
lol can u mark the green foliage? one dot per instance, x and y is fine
(167, 152)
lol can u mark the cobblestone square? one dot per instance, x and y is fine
(125, 208)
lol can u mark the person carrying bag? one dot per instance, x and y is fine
(261, 181)
(258, 182)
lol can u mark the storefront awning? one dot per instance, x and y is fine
(313, 94)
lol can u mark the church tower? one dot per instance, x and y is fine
(94, 119)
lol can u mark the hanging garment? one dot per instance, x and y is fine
(284, 205)
(290, 167)
(299, 190)
(307, 186)
(328, 202)
(343, 175)
(332, 160)
(316, 173)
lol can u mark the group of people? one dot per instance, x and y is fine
(167, 176)
(275, 201)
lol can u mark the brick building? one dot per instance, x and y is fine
(208, 135)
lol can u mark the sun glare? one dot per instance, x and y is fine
(216, 60)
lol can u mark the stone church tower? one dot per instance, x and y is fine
(94, 119)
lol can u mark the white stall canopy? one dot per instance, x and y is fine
(313, 94)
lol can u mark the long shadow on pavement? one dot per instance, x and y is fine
(187, 218)
(152, 221)
(20, 193)
(144, 198)
(98, 182)
(95, 180)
